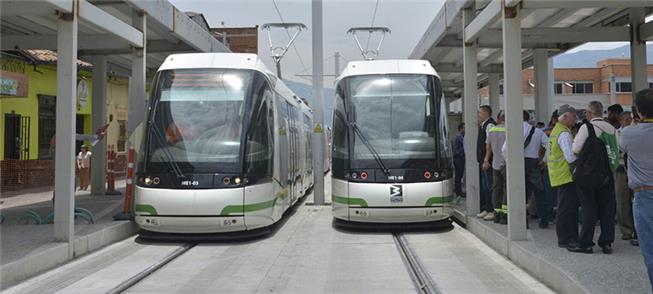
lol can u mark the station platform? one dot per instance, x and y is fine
(29, 248)
(306, 254)
(623, 271)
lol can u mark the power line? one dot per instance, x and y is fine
(369, 36)
(288, 33)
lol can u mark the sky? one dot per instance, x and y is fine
(407, 19)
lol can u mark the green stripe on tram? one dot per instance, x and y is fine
(240, 209)
(145, 208)
(350, 201)
(438, 200)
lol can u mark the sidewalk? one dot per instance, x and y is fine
(27, 248)
(620, 272)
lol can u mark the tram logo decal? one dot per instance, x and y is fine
(396, 194)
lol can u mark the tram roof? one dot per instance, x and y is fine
(229, 60)
(389, 66)
(215, 60)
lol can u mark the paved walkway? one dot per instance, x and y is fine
(20, 238)
(620, 272)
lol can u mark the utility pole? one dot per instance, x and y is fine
(318, 115)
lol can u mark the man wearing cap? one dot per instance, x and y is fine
(560, 157)
(597, 202)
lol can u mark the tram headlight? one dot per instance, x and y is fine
(364, 175)
(237, 180)
(156, 180)
(147, 181)
(226, 180)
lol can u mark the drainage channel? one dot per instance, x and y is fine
(422, 280)
(153, 268)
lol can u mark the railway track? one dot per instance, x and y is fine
(120, 288)
(420, 277)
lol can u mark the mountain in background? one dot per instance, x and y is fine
(589, 58)
(306, 91)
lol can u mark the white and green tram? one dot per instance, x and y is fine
(226, 147)
(391, 156)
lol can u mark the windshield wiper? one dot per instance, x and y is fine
(369, 146)
(175, 167)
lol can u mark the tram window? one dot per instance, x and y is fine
(340, 146)
(391, 113)
(259, 144)
(197, 117)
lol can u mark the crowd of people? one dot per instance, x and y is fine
(583, 169)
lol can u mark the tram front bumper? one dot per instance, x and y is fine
(393, 214)
(191, 224)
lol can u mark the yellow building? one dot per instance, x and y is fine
(28, 80)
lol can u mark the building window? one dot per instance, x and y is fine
(500, 89)
(582, 88)
(558, 88)
(47, 124)
(650, 85)
(624, 87)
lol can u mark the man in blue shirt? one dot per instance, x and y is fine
(459, 160)
(636, 140)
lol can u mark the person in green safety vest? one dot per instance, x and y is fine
(495, 162)
(560, 159)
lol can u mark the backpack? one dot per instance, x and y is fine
(593, 169)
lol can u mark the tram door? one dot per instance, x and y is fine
(284, 152)
(292, 132)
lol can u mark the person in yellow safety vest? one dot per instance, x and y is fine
(495, 139)
(560, 159)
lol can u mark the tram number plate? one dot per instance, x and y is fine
(396, 194)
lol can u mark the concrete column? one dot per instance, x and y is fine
(512, 89)
(637, 51)
(543, 85)
(318, 103)
(494, 93)
(470, 113)
(98, 160)
(613, 89)
(552, 90)
(64, 177)
(137, 93)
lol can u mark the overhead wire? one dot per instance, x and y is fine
(289, 36)
(369, 35)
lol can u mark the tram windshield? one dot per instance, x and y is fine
(195, 120)
(396, 115)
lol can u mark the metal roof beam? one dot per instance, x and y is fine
(537, 4)
(564, 35)
(30, 7)
(452, 67)
(110, 23)
(154, 46)
(489, 15)
(646, 31)
(89, 42)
